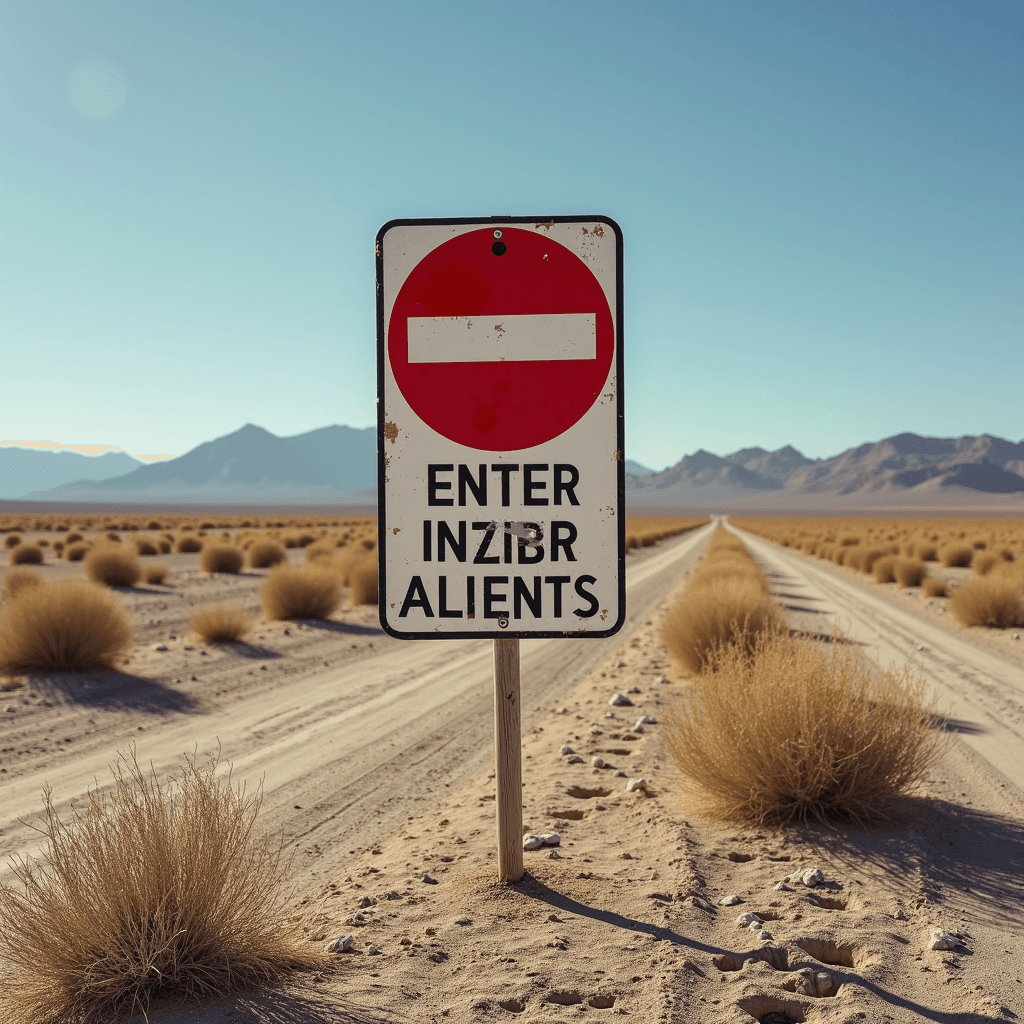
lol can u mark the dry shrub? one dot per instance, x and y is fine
(221, 558)
(113, 566)
(155, 573)
(864, 559)
(926, 552)
(909, 572)
(221, 623)
(882, 571)
(309, 593)
(362, 580)
(73, 538)
(984, 563)
(958, 556)
(12, 540)
(188, 544)
(933, 587)
(114, 538)
(996, 601)
(321, 549)
(26, 554)
(65, 626)
(264, 554)
(154, 889)
(793, 730)
(144, 546)
(17, 580)
(76, 552)
(730, 612)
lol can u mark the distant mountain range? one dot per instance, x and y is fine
(24, 470)
(333, 464)
(337, 465)
(905, 469)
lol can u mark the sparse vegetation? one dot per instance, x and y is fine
(934, 587)
(154, 889)
(643, 531)
(726, 603)
(958, 556)
(155, 573)
(222, 623)
(66, 626)
(362, 580)
(264, 554)
(792, 730)
(76, 552)
(308, 593)
(113, 566)
(26, 554)
(144, 546)
(909, 572)
(996, 601)
(12, 540)
(219, 557)
(188, 544)
(17, 580)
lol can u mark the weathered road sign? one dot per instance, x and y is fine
(501, 479)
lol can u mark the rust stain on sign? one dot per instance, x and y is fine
(500, 328)
(397, 530)
(391, 431)
(546, 224)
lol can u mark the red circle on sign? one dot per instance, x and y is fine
(503, 404)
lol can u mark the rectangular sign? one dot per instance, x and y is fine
(501, 480)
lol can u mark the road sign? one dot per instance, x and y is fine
(501, 479)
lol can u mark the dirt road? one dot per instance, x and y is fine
(980, 686)
(352, 731)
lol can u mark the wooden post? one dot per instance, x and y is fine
(508, 764)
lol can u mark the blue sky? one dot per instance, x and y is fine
(821, 203)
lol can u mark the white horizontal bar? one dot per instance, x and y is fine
(490, 339)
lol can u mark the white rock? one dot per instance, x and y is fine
(761, 935)
(599, 762)
(159, 647)
(632, 689)
(808, 876)
(1016, 636)
(636, 786)
(938, 939)
(428, 880)
(645, 720)
(620, 700)
(551, 838)
(782, 887)
(554, 855)
(532, 842)
(610, 714)
(342, 944)
(663, 679)
(575, 759)
(394, 895)
(729, 901)
(568, 750)
(814, 983)
(747, 919)
(372, 950)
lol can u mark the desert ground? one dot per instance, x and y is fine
(376, 761)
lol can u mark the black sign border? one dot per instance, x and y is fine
(510, 633)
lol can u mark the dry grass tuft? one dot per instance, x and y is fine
(113, 566)
(188, 544)
(309, 593)
(12, 540)
(883, 569)
(996, 601)
(155, 889)
(909, 572)
(17, 580)
(984, 562)
(68, 626)
(958, 557)
(796, 731)
(933, 587)
(221, 558)
(222, 623)
(265, 554)
(155, 573)
(26, 554)
(144, 546)
(76, 552)
(362, 580)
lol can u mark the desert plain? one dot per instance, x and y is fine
(376, 761)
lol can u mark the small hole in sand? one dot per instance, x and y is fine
(568, 815)
(770, 1010)
(739, 858)
(828, 952)
(828, 903)
(601, 1002)
(618, 751)
(583, 793)
(565, 998)
(512, 1005)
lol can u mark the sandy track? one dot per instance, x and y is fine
(982, 690)
(346, 752)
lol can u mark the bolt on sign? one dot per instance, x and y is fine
(501, 475)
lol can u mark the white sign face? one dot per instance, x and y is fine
(501, 479)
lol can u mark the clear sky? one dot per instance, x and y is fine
(821, 203)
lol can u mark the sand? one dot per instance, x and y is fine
(623, 918)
